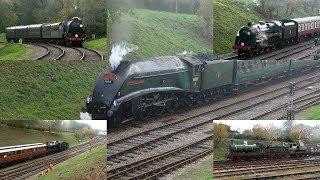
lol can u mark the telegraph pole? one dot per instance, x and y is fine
(290, 110)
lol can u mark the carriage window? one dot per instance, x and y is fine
(19, 152)
(312, 25)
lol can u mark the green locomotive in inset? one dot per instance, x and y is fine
(152, 86)
(261, 151)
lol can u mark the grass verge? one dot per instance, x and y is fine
(88, 165)
(97, 44)
(13, 51)
(48, 90)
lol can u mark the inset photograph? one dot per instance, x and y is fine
(51, 53)
(158, 28)
(159, 52)
(71, 30)
(53, 149)
(266, 30)
(285, 149)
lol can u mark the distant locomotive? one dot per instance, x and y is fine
(255, 39)
(254, 152)
(153, 86)
(70, 33)
(11, 154)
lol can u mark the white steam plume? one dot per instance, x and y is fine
(118, 51)
(85, 116)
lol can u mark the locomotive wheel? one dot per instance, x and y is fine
(114, 122)
(206, 97)
(159, 104)
(145, 108)
(172, 104)
(189, 100)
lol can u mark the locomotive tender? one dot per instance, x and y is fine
(153, 86)
(67, 33)
(254, 152)
(11, 154)
(255, 39)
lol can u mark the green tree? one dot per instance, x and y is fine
(8, 15)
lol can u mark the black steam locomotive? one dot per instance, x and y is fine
(70, 32)
(261, 37)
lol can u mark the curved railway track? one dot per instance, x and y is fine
(57, 52)
(33, 167)
(90, 54)
(72, 53)
(53, 52)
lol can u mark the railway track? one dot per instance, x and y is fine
(229, 164)
(260, 170)
(33, 167)
(153, 144)
(72, 53)
(157, 165)
(295, 175)
(53, 52)
(300, 103)
(57, 52)
(90, 54)
(127, 150)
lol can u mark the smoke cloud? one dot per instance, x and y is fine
(85, 116)
(118, 52)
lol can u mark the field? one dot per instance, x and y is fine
(46, 89)
(12, 136)
(12, 51)
(97, 44)
(163, 33)
(88, 165)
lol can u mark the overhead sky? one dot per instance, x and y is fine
(98, 124)
(242, 125)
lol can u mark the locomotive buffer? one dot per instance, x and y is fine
(291, 110)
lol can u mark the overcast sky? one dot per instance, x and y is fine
(98, 124)
(242, 125)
